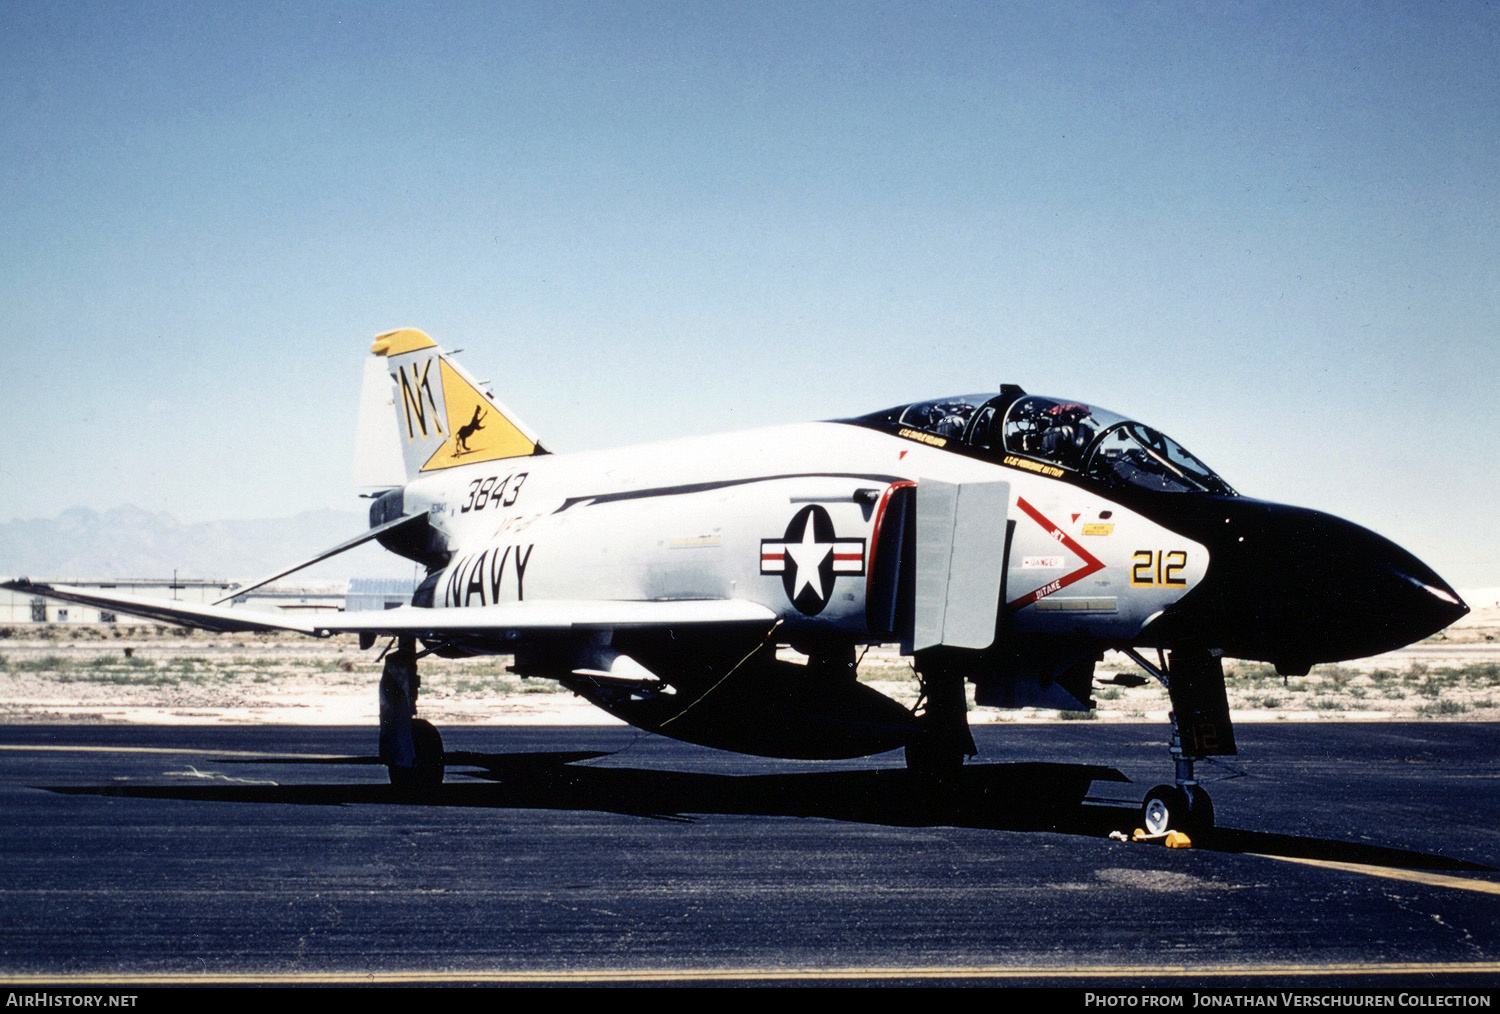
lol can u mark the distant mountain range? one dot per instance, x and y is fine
(130, 542)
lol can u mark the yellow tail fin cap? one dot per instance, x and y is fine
(406, 339)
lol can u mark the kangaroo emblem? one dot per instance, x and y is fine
(461, 444)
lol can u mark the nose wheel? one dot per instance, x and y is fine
(1185, 808)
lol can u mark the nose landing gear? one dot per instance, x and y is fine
(1184, 808)
(1200, 728)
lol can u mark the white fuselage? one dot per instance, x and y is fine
(716, 517)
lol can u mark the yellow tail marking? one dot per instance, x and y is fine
(417, 398)
(406, 339)
(476, 429)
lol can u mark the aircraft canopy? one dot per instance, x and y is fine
(1092, 444)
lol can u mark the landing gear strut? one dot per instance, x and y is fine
(1200, 729)
(410, 747)
(943, 740)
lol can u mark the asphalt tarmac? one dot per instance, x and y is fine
(1347, 854)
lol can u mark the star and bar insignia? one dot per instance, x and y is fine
(809, 557)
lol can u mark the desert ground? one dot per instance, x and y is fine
(119, 673)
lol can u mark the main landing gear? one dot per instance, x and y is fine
(410, 747)
(1200, 729)
(942, 741)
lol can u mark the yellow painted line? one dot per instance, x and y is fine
(42, 748)
(882, 972)
(1393, 873)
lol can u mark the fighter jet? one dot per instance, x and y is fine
(1002, 539)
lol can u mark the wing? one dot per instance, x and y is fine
(548, 616)
(217, 616)
(518, 618)
(223, 619)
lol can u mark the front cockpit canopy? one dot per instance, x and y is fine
(1088, 443)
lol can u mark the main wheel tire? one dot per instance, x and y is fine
(1171, 808)
(934, 758)
(425, 776)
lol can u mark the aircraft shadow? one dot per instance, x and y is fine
(1021, 797)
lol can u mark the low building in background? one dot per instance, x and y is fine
(379, 593)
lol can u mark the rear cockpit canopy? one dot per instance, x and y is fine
(1069, 439)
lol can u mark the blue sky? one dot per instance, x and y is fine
(1269, 230)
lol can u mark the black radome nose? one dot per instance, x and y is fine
(1297, 587)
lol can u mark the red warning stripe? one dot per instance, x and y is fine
(875, 532)
(1091, 562)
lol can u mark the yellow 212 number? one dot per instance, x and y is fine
(1159, 568)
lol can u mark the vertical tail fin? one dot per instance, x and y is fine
(442, 417)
